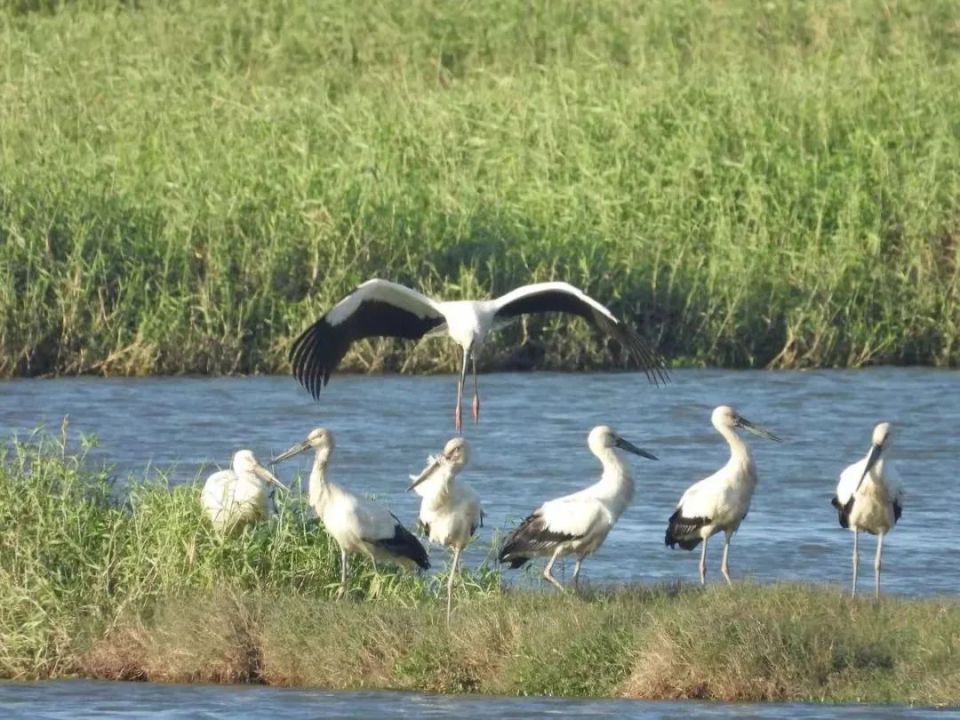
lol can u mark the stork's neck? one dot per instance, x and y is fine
(740, 455)
(320, 486)
(616, 483)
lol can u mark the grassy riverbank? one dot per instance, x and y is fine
(184, 185)
(144, 590)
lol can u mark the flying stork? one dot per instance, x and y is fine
(379, 308)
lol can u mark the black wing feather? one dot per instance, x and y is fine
(318, 350)
(897, 511)
(680, 531)
(531, 538)
(552, 300)
(405, 544)
(843, 510)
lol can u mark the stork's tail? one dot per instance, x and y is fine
(843, 510)
(404, 544)
(531, 538)
(680, 531)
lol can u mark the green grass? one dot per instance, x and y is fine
(183, 186)
(143, 589)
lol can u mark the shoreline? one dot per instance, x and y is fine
(792, 643)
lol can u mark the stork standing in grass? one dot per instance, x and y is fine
(357, 525)
(577, 523)
(379, 308)
(238, 497)
(721, 501)
(450, 512)
(869, 497)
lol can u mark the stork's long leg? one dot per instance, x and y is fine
(476, 391)
(343, 574)
(856, 561)
(724, 566)
(703, 563)
(576, 573)
(458, 413)
(453, 572)
(876, 565)
(549, 575)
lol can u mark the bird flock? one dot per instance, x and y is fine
(868, 496)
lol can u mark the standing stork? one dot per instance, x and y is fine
(577, 523)
(450, 512)
(238, 497)
(357, 525)
(721, 501)
(869, 497)
(379, 308)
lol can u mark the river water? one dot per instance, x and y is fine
(83, 700)
(531, 446)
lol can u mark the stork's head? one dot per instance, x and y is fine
(725, 417)
(883, 435)
(320, 440)
(603, 437)
(245, 464)
(881, 441)
(456, 452)
(454, 456)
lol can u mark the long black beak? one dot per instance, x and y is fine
(289, 453)
(872, 458)
(427, 471)
(630, 447)
(756, 429)
(265, 475)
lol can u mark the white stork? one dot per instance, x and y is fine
(869, 497)
(721, 501)
(238, 497)
(577, 523)
(450, 512)
(379, 308)
(357, 525)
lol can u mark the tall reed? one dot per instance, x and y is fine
(184, 186)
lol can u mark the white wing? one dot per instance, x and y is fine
(702, 499)
(848, 480)
(575, 515)
(565, 298)
(550, 291)
(377, 308)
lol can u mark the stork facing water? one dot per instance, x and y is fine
(869, 497)
(721, 501)
(379, 308)
(450, 512)
(238, 497)
(577, 523)
(357, 525)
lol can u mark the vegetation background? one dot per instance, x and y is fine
(185, 185)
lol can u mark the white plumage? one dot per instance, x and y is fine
(719, 502)
(577, 523)
(450, 511)
(870, 498)
(238, 497)
(356, 524)
(379, 308)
